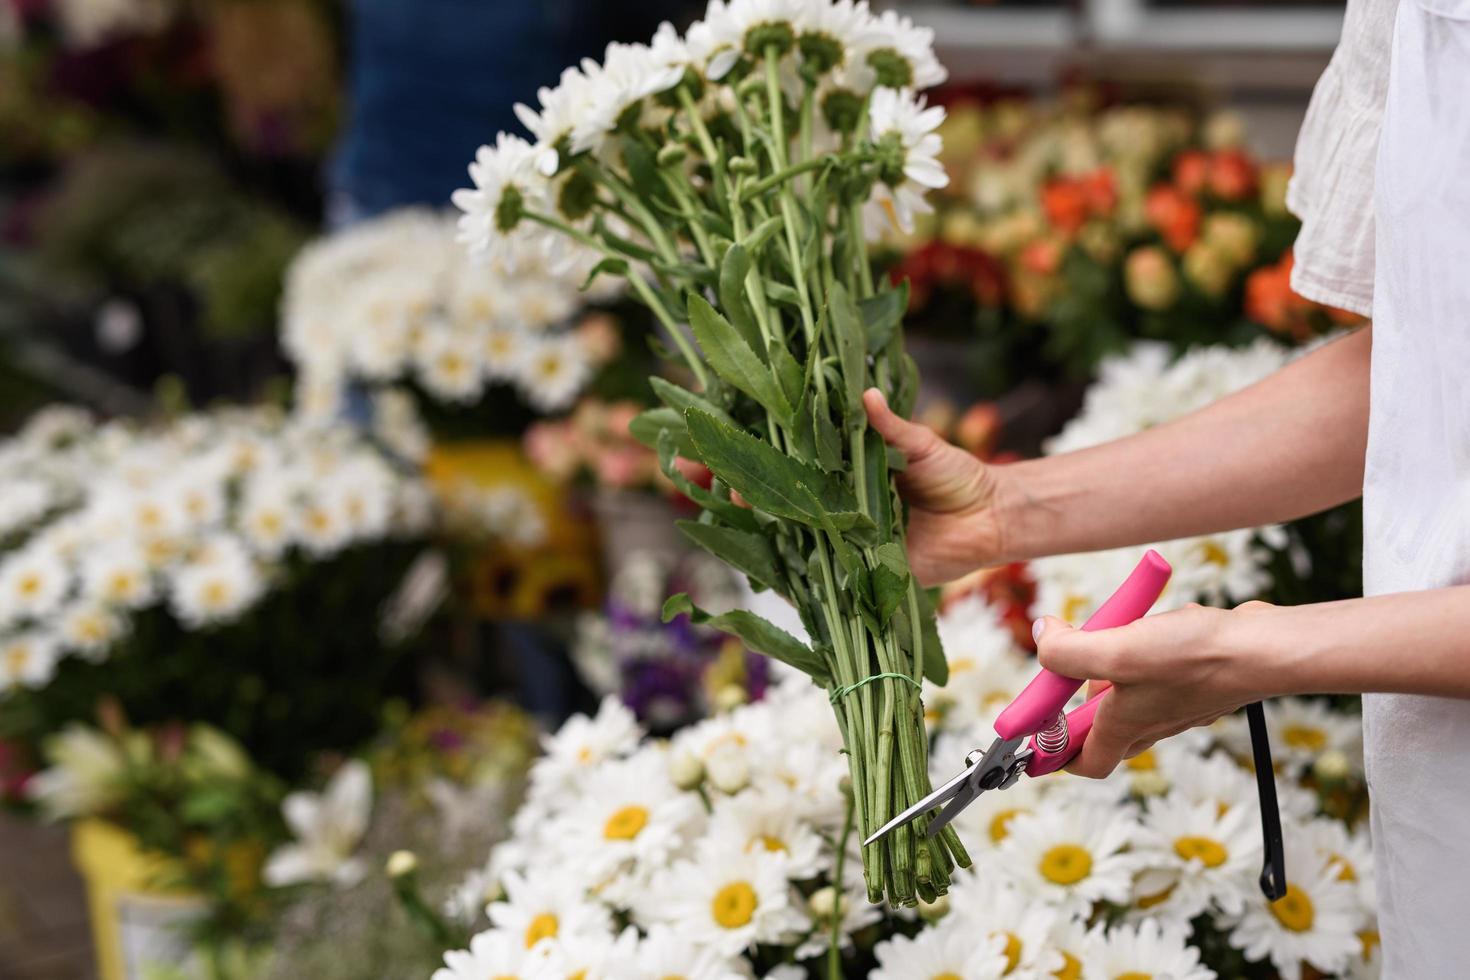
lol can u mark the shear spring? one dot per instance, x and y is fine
(1053, 739)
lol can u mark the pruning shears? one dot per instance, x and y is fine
(1035, 734)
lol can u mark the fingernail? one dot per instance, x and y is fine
(1037, 628)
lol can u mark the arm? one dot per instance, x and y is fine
(1289, 446)
(1187, 668)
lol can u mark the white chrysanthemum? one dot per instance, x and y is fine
(27, 660)
(595, 956)
(499, 956)
(322, 524)
(266, 519)
(548, 907)
(33, 584)
(766, 819)
(947, 950)
(1349, 854)
(449, 366)
(630, 822)
(987, 907)
(1068, 856)
(833, 35)
(727, 900)
(328, 827)
(1303, 729)
(628, 75)
(22, 501)
(903, 129)
(502, 349)
(582, 744)
(551, 371)
(507, 182)
(1147, 949)
(664, 953)
(217, 585)
(1316, 922)
(539, 303)
(88, 628)
(560, 110)
(902, 55)
(1195, 858)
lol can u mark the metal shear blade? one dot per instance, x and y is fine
(988, 772)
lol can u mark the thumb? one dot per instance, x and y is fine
(1063, 649)
(913, 440)
(1106, 747)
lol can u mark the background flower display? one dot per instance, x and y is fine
(727, 851)
(396, 301)
(669, 674)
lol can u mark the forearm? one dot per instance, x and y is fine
(1406, 643)
(1286, 447)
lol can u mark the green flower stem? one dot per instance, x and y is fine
(834, 945)
(646, 218)
(783, 176)
(773, 93)
(678, 185)
(706, 142)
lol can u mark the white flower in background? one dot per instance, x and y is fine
(507, 184)
(996, 916)
(267, 517)
(1068, 856)
(903, 128)
(552, 125)
(903, 54)
(33, 584)
(765, 820)
(328, 827)
(323, 527)
(727, 900)
(583, 744)
(1303, 729)
(835, 35)
(85, 777)
(22, 501)
(499, 956)
(543, 908)
(1147, 949)
(217, 585)
(664, 953)
(1348, 853)
(628, 74)
(449, 366)
(1317, 921)
(551, 371)
(947, 950)
(27, 660)
(88, 628)
(1196, 857)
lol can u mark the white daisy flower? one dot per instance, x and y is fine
(903, 129)
(328, 827)
(33, 583)
(27, 660)
(1197, 858)
(1069, 856)
(217, 585)
(500, 956)
(1147, 949)
(595, 956)
(582, 744)
(322, 525)
(89, 628)
(665, 954)
(628, 75)
(1303, 729)
(829, 34)
(1315, 922)
(543, 908)
(507, 182)
(903, 54)
(552, 125)
(266, 519)
(727, 901)
(987, 906)
(22, 501)
(947, 950)
(765, 819)
(449, 366)
(552, 370)
(503, 350)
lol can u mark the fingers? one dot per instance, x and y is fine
(909, 438)
(1107, 745)
(1064, 649)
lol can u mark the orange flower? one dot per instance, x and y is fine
(1101, 188)
(1175, 214)
(1232, 175)
(979, 428)
(1065, 202)
(1269, 301)
(1191, 170)
(1041, 256)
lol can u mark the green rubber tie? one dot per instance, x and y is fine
(842, 691)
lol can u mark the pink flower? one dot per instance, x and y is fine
(550, 448)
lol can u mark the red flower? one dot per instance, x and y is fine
(1065, 202)
(1101, 189)
(1175, 214)
(1232, 175)
(1191, 171)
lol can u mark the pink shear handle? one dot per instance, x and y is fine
(1038, 706)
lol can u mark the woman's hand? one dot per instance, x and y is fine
(1169, 672)
(953, 528)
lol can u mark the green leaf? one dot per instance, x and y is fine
(936, 667)
(756, 633)
(829, 440)
(642, 168)
(882, 314)
(733, 360)
(686, 270)
(682, 399)
(648, 426)
(731, 513)
(611, 266)
(788, 373)
(890, 581)
(747, 552)
(855, 525)
(779, 292)
(760, 233)
(734, 268)
(906, 388)
(875, 483)
(852, 347)
(766, 477)
(627, 246)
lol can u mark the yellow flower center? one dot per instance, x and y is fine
(1304, 737)
(1065, 864)
(734, 905)
(17, 657)
(544, 926)
(452, 364)
(961, 664)
(549, 367)
(318, 519)
(773, 844)
(947, 975)
(1134, 975)
(150, 516)
(216, 594)
(584, 755)
(1210, 853)
(1000, 825)
(270, 522)
(1294, 910)
(1143, 762)
(121, 584)
(1369, 939)
(30, 584)
(1012, 951)
(1214, 554)
(1074, 607)
(1345, 869)
(1157, 898)
(579, 975)
(626, 824)
(1071, 967)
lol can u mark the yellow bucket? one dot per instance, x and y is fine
(135, 923)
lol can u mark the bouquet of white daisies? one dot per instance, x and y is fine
(215, 567)
(723, 853)
(394, 300)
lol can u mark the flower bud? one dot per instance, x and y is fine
(1150, 782)
(1233, 234)
(844, 786)
(742, 166)
(1207, 268)
(1150, 278)
(935, 910)
(1331, 766)
(728, 771)
(826, 904)
(729, 697)
(672, 154)
(686, 770)
(401, 864)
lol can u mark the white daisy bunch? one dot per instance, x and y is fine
(395, 300)
(104, 520)
(727, 851)
(734, 177)
(1135, 391)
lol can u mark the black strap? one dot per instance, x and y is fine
(1273, 871)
